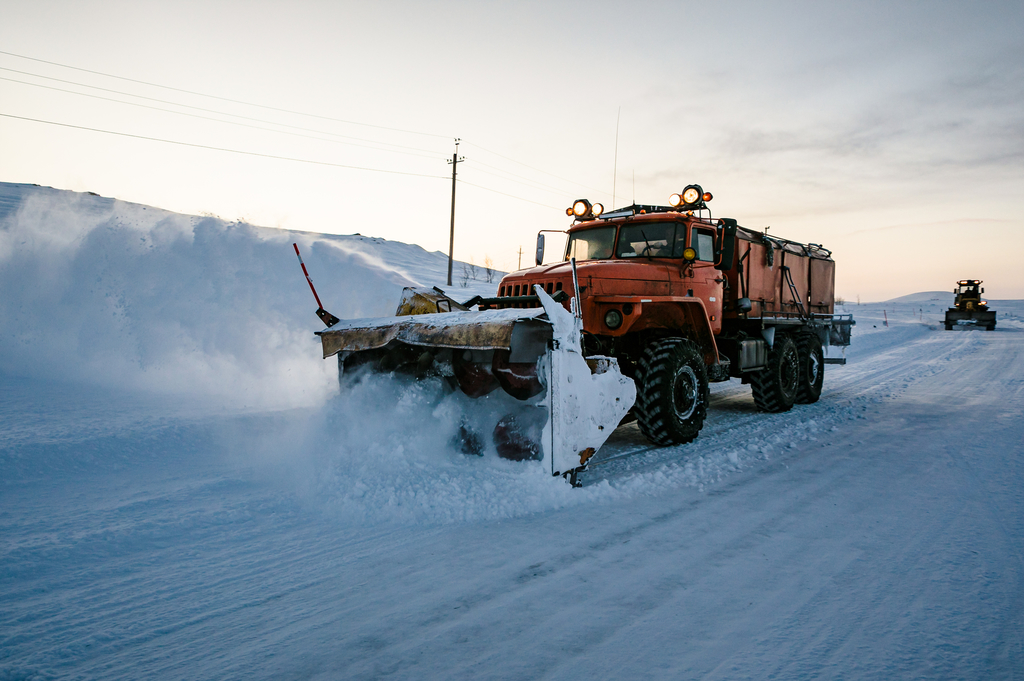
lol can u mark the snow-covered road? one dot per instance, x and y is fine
(877, 533)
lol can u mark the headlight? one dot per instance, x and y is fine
(691, 195)
(613, 319)
(597, 209)
(675, 200)
(707, 196)
(581, 208)
(689, 254)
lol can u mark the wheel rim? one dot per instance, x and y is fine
(790, 366)
(813, 368)
(684, 393)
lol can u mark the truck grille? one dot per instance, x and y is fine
(525, 289)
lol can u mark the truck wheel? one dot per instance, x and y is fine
(812, 370)
(672, 385)
(949, 327)
(775, 387)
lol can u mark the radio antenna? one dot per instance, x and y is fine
(615, 165)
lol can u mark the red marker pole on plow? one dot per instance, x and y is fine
(325, 316)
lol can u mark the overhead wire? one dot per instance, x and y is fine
(270, 156)
(225, 149)
(218, 120)
(204, 109)
(223, 99)
(495, 191)
(526, 184)
(600, 191)
(535, 185)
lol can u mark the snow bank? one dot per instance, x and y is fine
(117, 294)
(106, 299)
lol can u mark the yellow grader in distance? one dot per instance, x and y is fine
(969, 308)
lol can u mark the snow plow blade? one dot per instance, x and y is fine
(548, 402)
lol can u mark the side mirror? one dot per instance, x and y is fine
(743, 305)
(540, 250)
(982, 290)
(725, 248)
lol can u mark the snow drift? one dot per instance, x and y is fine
(106, 292)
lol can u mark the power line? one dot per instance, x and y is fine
(231, 151)
(523, 180)
(506, 179)
(600, 191)
(263, 106)
(495, 191)
(146, 106)
(196, 108)
(224, 99)
(216, 120)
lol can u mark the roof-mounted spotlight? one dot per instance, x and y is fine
(584, 210)
(691, 198)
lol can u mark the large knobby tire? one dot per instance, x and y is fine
(672, 388)
(775, 387)
(812, 370)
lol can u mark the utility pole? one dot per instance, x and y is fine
(456, 159)
(520, 266)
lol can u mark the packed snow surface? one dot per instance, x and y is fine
(184, 493)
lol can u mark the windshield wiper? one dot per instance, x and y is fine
(647, 251)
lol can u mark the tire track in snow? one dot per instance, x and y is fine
(736, 435)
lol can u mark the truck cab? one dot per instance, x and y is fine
(643, 272)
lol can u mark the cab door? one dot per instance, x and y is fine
(707, 281)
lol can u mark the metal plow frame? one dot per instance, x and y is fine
(585, 398)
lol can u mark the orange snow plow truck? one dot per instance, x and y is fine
(648, 305)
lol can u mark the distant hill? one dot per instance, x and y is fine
(945, 297)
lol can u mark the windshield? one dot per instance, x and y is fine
(644, 240)
(653, 239)
(592, 244)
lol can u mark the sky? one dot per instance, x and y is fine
(891, 133)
